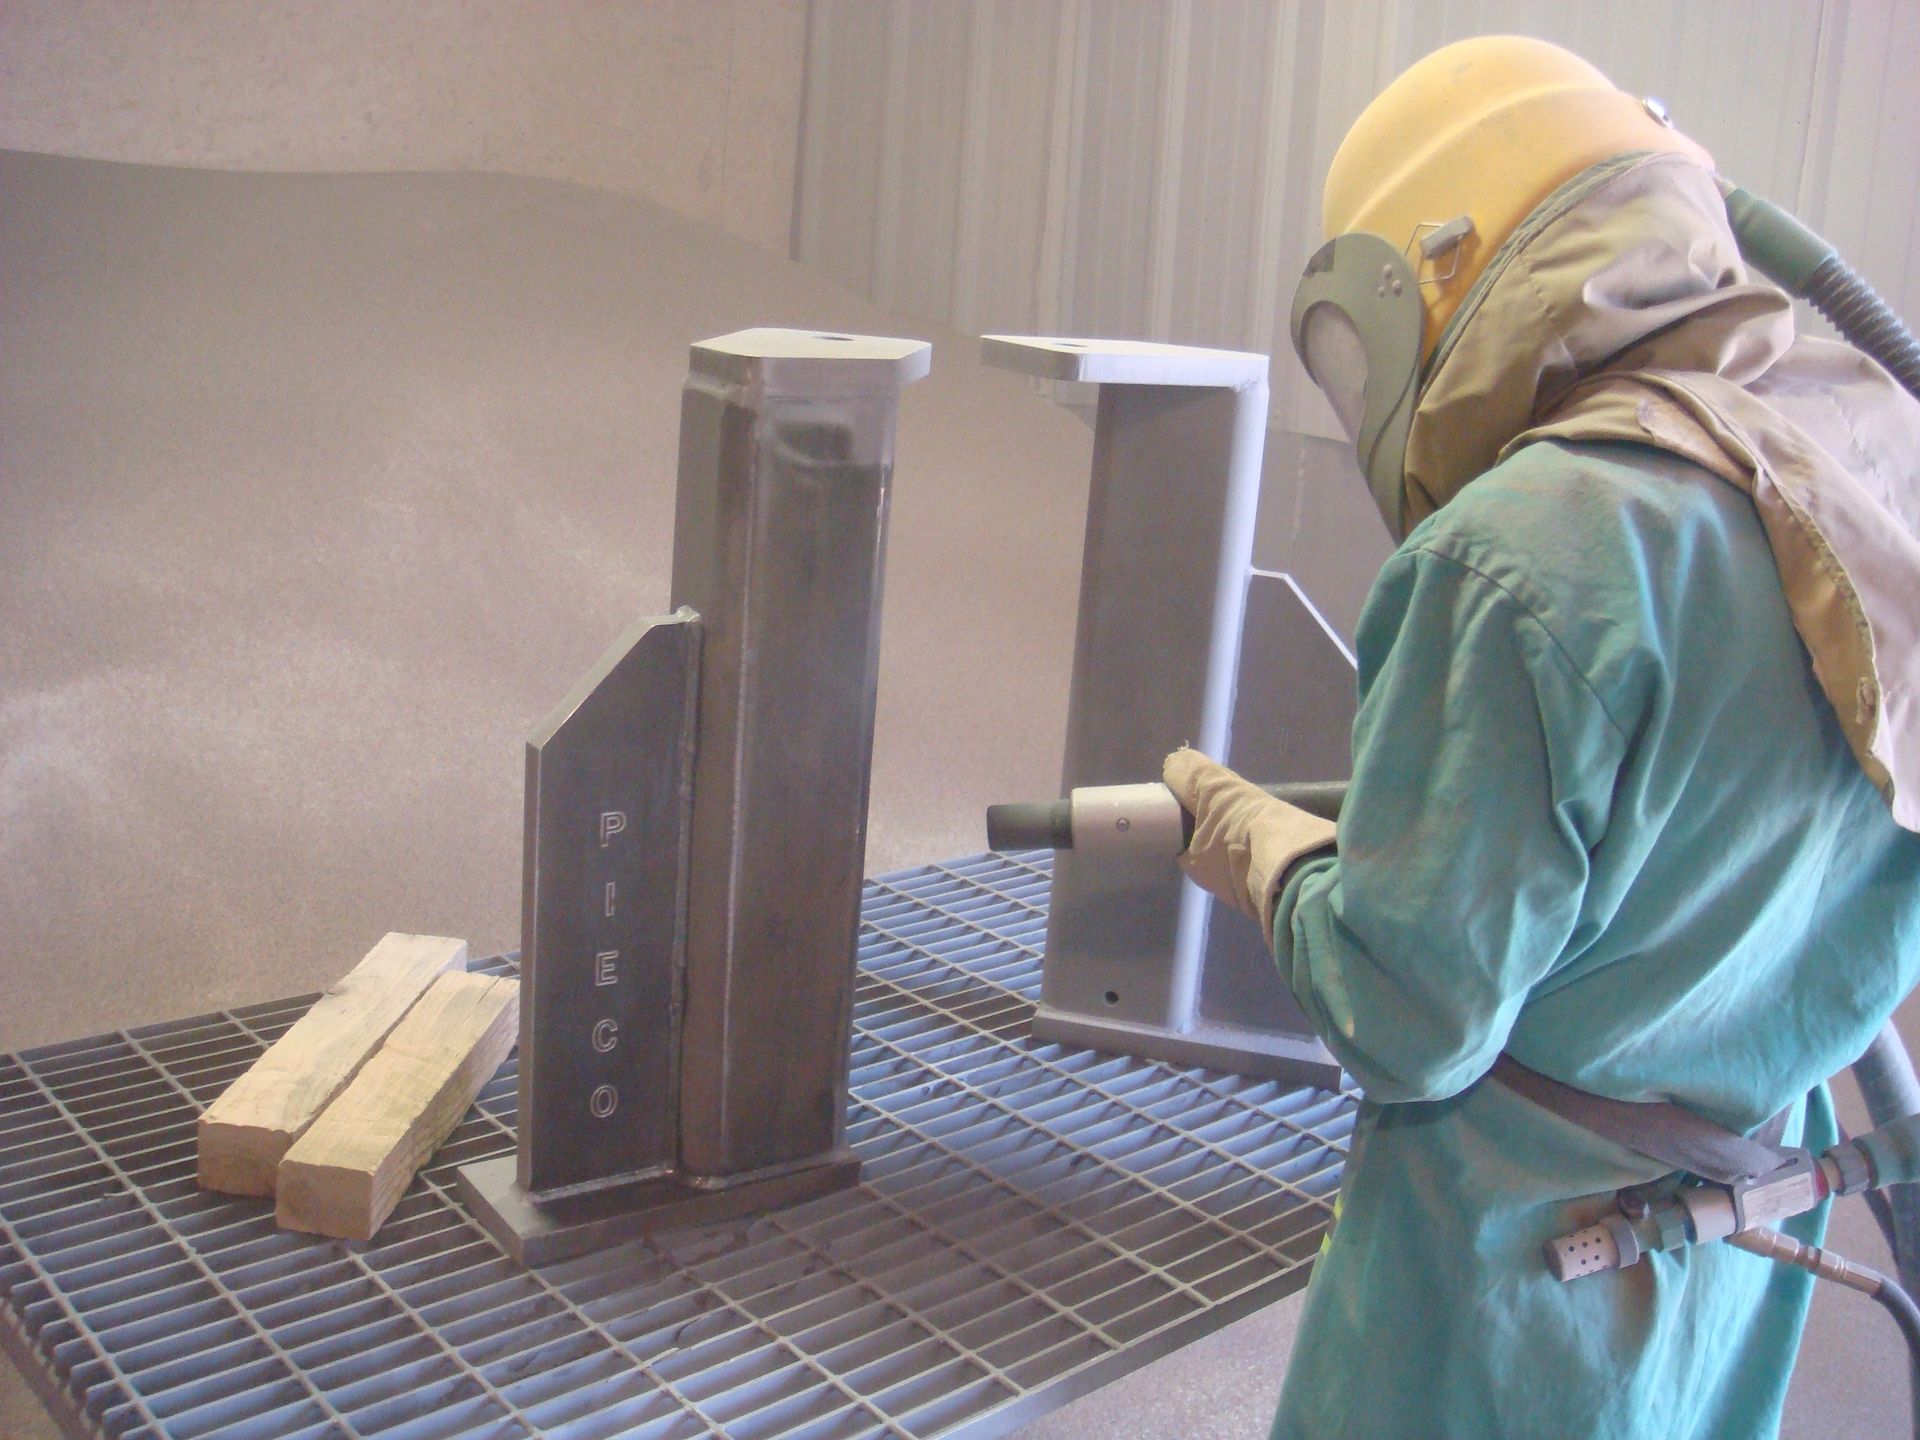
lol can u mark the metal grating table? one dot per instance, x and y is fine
(1032, 1221)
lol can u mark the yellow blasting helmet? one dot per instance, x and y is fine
(1485, 128)
(1432, 179)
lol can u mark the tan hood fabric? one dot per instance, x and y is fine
(1621, 311)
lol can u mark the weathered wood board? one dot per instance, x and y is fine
(345, 1175)
(244, 1133)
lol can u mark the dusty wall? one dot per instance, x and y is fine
(694, 104)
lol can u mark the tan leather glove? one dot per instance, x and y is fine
(1243, 838)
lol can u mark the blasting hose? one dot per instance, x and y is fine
(1906, 1315)
(1892, 1092)
(1772, 1245)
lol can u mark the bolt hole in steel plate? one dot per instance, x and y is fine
(1032, 1221)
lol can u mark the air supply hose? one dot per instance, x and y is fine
(1809, 268)
(1891, 1090)
(1897, 1303)
(1772, 1245)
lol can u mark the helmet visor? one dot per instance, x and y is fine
(1336, 358)
(1355, 324)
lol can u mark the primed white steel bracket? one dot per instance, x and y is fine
(1164, 586)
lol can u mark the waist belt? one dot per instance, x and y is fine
(1660, 1130)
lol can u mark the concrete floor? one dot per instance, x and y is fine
(316, 492)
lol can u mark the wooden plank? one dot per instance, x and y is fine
(245, 1132)
(345, 1175)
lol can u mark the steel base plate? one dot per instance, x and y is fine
(1031, 1221)
(538, 1232)
(1301, 1059)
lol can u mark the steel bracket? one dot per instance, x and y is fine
(1138, 961)
(696, 826)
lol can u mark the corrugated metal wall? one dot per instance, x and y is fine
(1151, 168)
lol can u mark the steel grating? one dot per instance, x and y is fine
(1031, 1222)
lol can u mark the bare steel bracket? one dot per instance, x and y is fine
(1139, 962)
(696, 826)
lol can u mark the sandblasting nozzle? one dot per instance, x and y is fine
(1128, 819)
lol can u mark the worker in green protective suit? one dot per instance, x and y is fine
(1636, 767)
